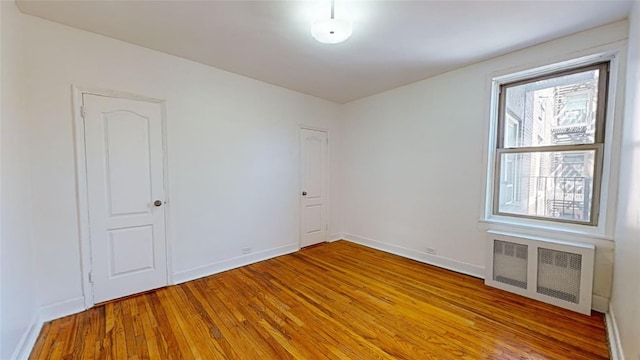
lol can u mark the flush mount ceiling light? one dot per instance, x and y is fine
(332, 30)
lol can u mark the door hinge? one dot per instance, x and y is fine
(327, 140)
(91, 277)
(326, 227)
(83, 111)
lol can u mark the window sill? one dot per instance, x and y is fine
(549, 228)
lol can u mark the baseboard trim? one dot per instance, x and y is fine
(44, 314)
(613, 336)
(224, 265)
(335, 237)
(600, 303)
(446, 263)
(62, 309)
(28, 340)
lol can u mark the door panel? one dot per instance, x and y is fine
(128, 162)
(131, 250)
(314, 218)
(125, 175)
(314, 147)
(314, 182)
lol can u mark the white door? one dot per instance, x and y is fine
(125, 186)
(314, 192)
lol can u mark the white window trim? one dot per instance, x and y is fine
(604, 230)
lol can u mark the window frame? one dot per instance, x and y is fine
(514, 186)
(604, 67)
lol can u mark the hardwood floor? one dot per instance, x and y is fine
(335, 301)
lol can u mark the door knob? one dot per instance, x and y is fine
(304, 193)
(157, 203)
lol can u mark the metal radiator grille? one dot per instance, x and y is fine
(559, 274)
(510, 263)
(550, 270)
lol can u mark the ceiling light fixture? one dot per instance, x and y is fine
(332, 30)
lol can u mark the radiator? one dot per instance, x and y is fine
(553, 271)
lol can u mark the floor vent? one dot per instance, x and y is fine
(556, 272)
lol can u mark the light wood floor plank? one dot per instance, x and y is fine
(335, 301)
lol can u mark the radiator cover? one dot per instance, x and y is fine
(553, 271)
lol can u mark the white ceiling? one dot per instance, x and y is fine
(394, 43)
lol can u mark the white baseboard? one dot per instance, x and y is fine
(44, 314)
(224, 265)
(335, 237)
(615, 346)
(28, 340)
(449, 264)
(62, 309)
(76, 305)
(600, 303)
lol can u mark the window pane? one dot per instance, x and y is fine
(556, 111)
(556, 185)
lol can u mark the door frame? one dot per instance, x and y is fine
(82, 189)
(300, 165)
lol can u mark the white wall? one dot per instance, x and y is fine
(18, 308)
(396, 174)
(233, 153)
(625, 303)
(414, 161)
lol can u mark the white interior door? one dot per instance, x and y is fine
(314, 192)
(125, 187)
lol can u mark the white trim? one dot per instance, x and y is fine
(81, 178)
(28, 340)
(527, 237)
(508, 76)
(599, 303)
(570, 59)
(62, 309)
(544, 227)
(167, 195)
(224, 265)
(443, 262)
(612, 142)
(45, 313)
(335, 237)
(613, 335)
(310, 127)
(82, 196)
(615, 53)
(114, 94)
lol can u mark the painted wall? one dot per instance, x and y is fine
(626, 284)
(415, 156)
(18, 308)
(406, 165)
(232, 153)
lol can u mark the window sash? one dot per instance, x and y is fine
(597, 180)
(603, 83)
(597, 146)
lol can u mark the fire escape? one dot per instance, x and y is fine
(568, 183)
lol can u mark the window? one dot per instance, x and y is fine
(549, 147)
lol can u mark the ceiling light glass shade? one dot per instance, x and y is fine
(331, 31)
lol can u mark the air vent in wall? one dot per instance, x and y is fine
(556, 272)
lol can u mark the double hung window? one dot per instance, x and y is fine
(549, 147)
